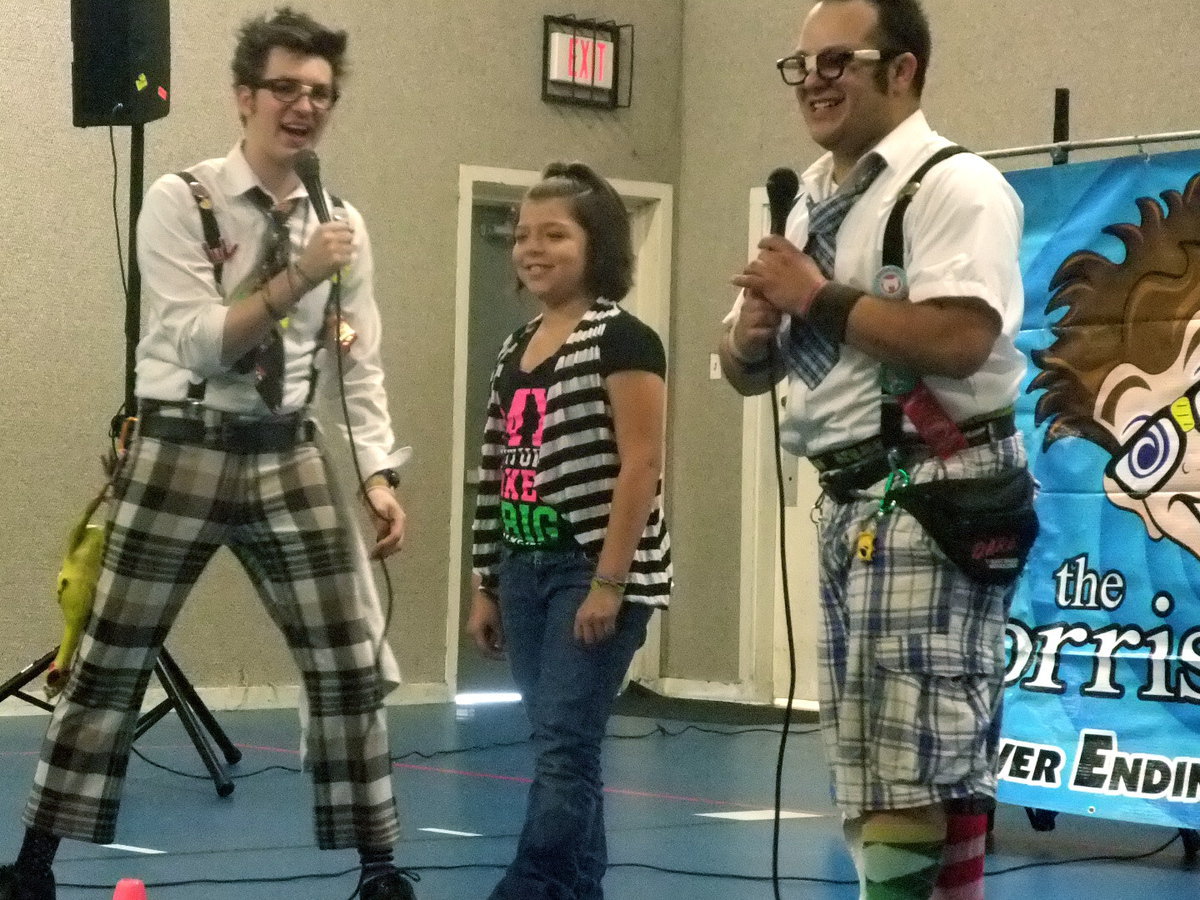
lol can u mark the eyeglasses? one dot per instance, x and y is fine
(829, 64)
(1146, 461)
(289, 90)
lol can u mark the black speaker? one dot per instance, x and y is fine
(121, 69)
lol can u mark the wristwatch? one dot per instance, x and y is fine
(389, 477)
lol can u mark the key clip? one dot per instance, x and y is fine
(886, 502)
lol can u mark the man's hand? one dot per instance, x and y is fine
(754, 328)
(484, 625)
(783, 276)
(389, 519)
(329, 250)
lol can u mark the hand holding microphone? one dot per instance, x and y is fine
(331, 247)
(758, 320)
(782, 276)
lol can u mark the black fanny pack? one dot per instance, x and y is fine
(986, 526)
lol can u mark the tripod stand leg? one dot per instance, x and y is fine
(203, 713)
(14, 685)
(191, 724)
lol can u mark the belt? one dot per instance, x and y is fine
(230, 436)
(847, 470)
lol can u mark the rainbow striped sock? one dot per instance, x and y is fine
(901, 859)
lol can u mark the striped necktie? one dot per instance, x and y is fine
(266, 360)
(809, 354)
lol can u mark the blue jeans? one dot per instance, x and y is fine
(568, 690)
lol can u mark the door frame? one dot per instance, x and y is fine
(652, 216)
(762, 657)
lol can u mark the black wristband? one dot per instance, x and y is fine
(830, 310)
(757, 367)
(750, 366)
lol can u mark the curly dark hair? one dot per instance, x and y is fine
(598, 209)
(290, 30)
(903, 28)
(1136, 311)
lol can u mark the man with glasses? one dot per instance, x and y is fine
(896, 370)
(238, 277)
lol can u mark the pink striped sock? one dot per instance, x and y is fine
(961, 875)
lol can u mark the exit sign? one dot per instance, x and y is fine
(580, 59)
(586, 62)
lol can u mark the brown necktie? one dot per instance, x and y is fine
(266, 360)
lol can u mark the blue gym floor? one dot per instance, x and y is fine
(462, 812)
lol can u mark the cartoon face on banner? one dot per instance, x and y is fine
(1124, 368)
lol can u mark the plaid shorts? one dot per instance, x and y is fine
(912, 654)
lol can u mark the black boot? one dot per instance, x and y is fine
(393, 885)
(14, 888)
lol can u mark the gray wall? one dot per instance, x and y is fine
(436, 84)
(432, 85)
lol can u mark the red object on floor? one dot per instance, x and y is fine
(130, 889)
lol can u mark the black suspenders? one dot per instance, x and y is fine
(217, 252)
(891, 417)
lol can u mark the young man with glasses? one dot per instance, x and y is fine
(237, 273)
(904, 370)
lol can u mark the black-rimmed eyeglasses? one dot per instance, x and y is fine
(1150, 456)
(289, 90)
(829, 64)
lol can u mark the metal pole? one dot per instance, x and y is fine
(1062, 124)
(1131, 141)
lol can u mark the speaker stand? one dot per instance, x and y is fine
(198, 721)
(181, 696)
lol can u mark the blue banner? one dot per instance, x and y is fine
(1102, 714)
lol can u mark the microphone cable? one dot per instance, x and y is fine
(335, 301)
(782, 191)
(307, 167)
(791, 640)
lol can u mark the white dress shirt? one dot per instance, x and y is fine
(962, 234)
(185, 309)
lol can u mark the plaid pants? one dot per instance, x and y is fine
(911, 655)
(175, 506)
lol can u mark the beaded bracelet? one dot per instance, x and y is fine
(617, 584)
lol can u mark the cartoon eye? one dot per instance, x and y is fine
(1150, 458)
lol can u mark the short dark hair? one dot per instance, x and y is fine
(290, 30)
(903, 28)
(597, 207)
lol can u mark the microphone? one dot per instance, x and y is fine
(308, 167)
(782, 187)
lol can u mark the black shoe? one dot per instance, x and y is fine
(11, 888)
(392, 886)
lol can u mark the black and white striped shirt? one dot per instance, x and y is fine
(578, 464)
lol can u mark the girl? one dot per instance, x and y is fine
(571, 552)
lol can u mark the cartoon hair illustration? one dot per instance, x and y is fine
(1136, 311)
